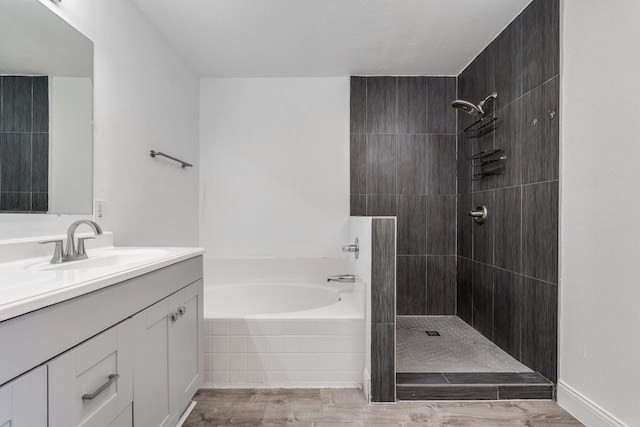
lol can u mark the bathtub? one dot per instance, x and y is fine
(289, 329)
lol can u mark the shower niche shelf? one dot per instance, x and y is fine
(481, 127)
(488, 163)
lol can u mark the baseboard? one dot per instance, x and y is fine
(206, 385)
(586, 411)
(366, 384)
(186, 413)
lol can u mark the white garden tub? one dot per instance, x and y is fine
(289, 332)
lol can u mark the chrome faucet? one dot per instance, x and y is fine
(72, 253)
(342, 278)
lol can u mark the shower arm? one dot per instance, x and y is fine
(493, 96)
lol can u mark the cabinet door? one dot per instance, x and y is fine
(151, 367)
(185, 346)
(92, 384)
(23, 401)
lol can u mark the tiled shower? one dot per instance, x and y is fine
(410, 158)
(24, 143)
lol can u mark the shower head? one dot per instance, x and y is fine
(467, 107)
(473, 109)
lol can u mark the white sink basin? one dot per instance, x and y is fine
(104, 259)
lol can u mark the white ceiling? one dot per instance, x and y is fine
(316, 38)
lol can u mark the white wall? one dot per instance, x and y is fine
(70, 145)
(145, 98)
(600, 231)
(275, 166)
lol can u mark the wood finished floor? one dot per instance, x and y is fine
(347, 407)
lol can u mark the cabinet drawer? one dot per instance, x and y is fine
(23, 401)
(92, 384)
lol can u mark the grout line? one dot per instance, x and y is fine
(510, 271)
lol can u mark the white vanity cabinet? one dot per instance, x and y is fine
(127, 354)
(23, 401)
(168, 357)
(92, 384)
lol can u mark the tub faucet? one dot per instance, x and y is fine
(342, 278)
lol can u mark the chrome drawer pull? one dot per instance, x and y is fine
(182, 310)
(112, 379)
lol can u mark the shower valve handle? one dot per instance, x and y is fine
(355, 248)
(479, 214)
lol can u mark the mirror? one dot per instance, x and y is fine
(46, 112)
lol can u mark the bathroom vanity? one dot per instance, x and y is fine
(86, 342)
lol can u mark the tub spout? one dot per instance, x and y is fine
(342, 278)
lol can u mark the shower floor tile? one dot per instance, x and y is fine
(459, 348)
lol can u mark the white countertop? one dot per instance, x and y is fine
(27, 284)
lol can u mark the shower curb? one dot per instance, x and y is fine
(473, 386)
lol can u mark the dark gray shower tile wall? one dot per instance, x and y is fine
(382, 111)
(403, 163)
(383, 309)
(440, 118)
(412, 105)
(541, 47)
(24, 144)
(412, 164)
(412, 231)
(383, 272)
(16, 109)
(441, 292)
(507, 268)
(441, 224)
(381, 164)
(411, 285)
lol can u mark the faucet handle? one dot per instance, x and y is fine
(80, 250)
(57, 252)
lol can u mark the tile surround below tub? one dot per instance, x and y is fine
(293, 353)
